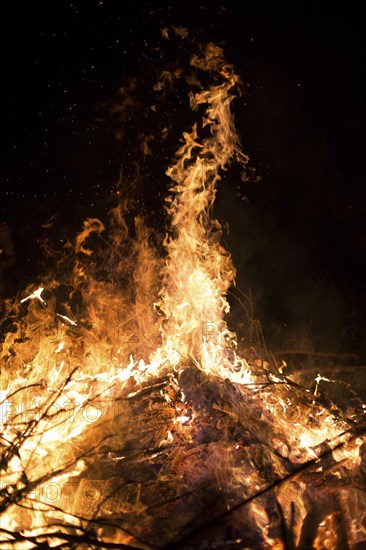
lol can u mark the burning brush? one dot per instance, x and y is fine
(130, 418)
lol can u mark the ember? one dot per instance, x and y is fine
(130, 416)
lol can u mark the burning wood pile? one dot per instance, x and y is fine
(131, 418)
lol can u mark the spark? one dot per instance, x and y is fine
(67, 320)
(36, 295)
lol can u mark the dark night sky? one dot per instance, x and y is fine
(297, 236)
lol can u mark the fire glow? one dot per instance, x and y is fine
(137, 421)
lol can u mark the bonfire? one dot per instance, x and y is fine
(131, 416)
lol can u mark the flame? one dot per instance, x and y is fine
(65, 366)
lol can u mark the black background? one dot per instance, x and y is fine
(297, 236)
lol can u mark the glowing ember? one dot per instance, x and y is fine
(134, 419)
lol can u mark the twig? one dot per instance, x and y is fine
(35, 539)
